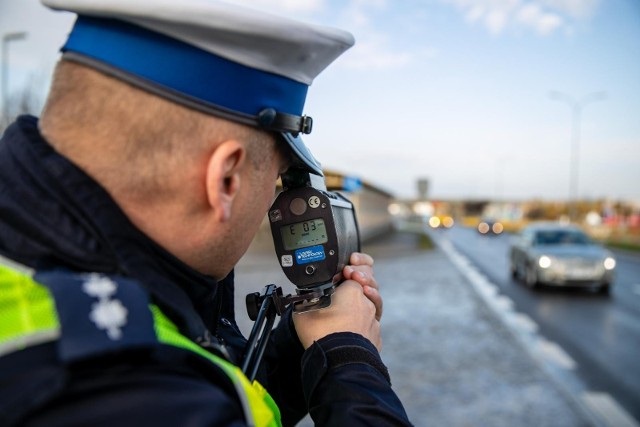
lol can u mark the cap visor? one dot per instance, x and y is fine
(302, 156)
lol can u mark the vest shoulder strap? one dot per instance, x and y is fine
(28, 315)
(91, 314)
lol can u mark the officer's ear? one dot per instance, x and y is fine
(223, 177)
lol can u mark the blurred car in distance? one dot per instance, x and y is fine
(563, 255)
(441, 221)
(488, 226)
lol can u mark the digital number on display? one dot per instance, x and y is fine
(303, 234)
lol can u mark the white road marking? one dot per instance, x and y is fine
(487, 289)
(523, 321)
(610, 411)
(504, 303)
(553, 353)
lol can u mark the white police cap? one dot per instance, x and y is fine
(212, 56)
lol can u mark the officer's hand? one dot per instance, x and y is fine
(361, 270)
(350, 311)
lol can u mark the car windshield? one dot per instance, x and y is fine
(561, 237)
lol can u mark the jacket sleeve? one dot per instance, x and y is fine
(340, 380)
(346, 383)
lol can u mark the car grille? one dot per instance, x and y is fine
(579, 263)
(581, 269)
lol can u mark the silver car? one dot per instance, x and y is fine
(556, 254)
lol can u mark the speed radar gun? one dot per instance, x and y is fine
(314, 233)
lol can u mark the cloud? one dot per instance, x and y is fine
(493, 14)
(532, 16)
(374, 53)
(543, 17)
(577, 9)
(374, 48)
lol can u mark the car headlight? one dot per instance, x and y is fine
(609, 263)
(544, 261)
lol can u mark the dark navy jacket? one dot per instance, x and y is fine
(52, 215)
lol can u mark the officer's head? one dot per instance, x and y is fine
(186, 111)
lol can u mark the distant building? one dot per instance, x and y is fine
(371, 203)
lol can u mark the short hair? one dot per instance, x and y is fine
(146, 135)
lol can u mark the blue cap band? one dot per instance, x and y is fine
(184, 69)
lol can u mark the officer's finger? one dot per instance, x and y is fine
(361, 274)
(365, 277)
(375, 297)
(359, 258)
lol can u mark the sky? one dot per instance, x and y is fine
(453, 91)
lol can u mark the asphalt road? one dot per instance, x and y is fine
(600, 333)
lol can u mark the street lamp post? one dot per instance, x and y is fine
(576, 110)
(6, 38)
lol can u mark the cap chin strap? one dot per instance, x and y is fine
(270, 119)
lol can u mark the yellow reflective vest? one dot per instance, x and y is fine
(28, 317)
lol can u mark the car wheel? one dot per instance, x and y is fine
(604, 289)
(513, 269)
(530, 277)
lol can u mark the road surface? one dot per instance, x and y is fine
(599, 334)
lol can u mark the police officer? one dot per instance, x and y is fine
(126, 206)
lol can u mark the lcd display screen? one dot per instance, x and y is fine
(303, 234)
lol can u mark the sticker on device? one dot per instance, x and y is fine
(306, 255)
